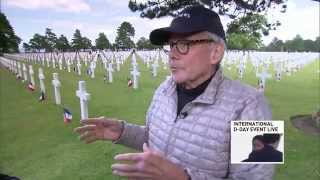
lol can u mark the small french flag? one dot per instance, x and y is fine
(130, 82)
(30, 86)
(67, 116)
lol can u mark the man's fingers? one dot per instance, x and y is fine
(136, 167)
(86, 135)
(132, 174)
(90, 139)
(85, 128)
(125, 167)
(129, 157)
(149, 157)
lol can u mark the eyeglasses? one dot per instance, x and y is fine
(183, 46)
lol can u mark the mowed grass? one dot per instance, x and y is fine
(35, 144)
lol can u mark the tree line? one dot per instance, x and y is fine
(49, 42)
(295, 44)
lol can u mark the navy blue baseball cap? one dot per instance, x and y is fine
(191, 20)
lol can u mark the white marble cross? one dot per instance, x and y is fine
(288, 68)
(135, 73)
(11, 65)
(262, 78)
(68, 65)
(90, 56)
(84, 97)
(148, 62)
(31, 72)
(47, 59)
(19, 70)
(24, 69)
(133, 59)
(241, 70)
(92, 68)
(110, 70)
(60, 62)
(154, 68)
(278, 72)
(105, 64)
(79, 68)
(56, 86)
(42, 58)
(15, 67)
(118, 64)
(53, 60)
(41, 79)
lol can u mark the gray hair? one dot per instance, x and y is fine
(218, 39)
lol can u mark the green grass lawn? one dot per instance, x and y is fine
(35, 144)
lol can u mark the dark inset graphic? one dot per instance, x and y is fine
(264, 149)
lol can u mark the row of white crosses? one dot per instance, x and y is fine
(76, 58)
(153, 58)
(81, 92)
(56, 83)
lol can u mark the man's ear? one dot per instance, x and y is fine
(216, 53)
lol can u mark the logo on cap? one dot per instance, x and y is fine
(184, 15)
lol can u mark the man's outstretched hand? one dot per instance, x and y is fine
(149, 164)
(101, 128)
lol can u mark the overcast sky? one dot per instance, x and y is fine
(93, 16)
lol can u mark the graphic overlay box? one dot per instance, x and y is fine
(257, 142)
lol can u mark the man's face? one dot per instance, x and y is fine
(196, 66)
(257, 145)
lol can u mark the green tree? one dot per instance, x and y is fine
(37, 42)
(242, 41)
(144, 43)
(124, 34)
(50, 40)
(309, 45)
(102, 42)
(77, 43)
(26, 47)
(246, 32)
(275, 45)
(86, 43)
(63, 44)
(296, 44)
(9, 41)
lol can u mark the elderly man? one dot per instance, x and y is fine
(187, 130)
